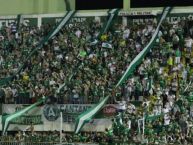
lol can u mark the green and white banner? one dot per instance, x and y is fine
(6, 119)
(89, 114)
(33, 116)
(48, 117)
(138, 59)
(112, 14)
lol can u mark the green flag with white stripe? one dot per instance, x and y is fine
(112, 15)
(137, 60)
(7, 118)
(89, 114)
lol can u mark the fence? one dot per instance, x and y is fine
(42, 143)
(26, 143)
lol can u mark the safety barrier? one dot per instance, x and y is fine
(41, 143)
(26, 143)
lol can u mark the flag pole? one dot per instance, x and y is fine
(139, 126)
(143, 125)
(61, 126)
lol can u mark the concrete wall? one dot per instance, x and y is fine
(29, 7)
(14, 7)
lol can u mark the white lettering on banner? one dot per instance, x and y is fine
(80, 20)
(26, 22)
(179, 18)
(51, 112)
(6, 22)
(141, 13)
(74, 108)
(58, 20)
(135, 13)
(171, 18)
(70, 112)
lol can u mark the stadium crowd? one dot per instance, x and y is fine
(68, 64)
(69, 69)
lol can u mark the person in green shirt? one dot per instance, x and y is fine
(178, 56)
(138, 90)
(109, 135)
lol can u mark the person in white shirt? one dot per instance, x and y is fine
(126, 33)
(78, 33)
(145, 106)
(158, 107)
(167, 117)
(121, 105)
(171, 99)
(188, 43)
(1, 60)
(131, 108)
(129, 124)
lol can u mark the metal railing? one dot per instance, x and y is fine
(41, 143)
(26, 143)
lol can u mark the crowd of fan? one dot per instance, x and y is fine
(69, 69)
(53, 137)
(67, 63)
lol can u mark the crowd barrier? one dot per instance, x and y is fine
(42, 143)
(26, 143)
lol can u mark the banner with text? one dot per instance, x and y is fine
(47, 117)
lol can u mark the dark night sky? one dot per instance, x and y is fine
(110, 4)
(160, 3)
(98, 4)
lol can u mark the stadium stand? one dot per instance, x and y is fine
(70, 69)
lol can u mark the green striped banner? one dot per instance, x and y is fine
(88, 115)
(7, 118)
(112, 14)
(138, 59)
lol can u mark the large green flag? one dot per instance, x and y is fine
(112, 14)
(138, 59)
(89, 114)
(7, 118)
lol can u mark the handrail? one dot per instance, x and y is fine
(42, 143)
(26, 143)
